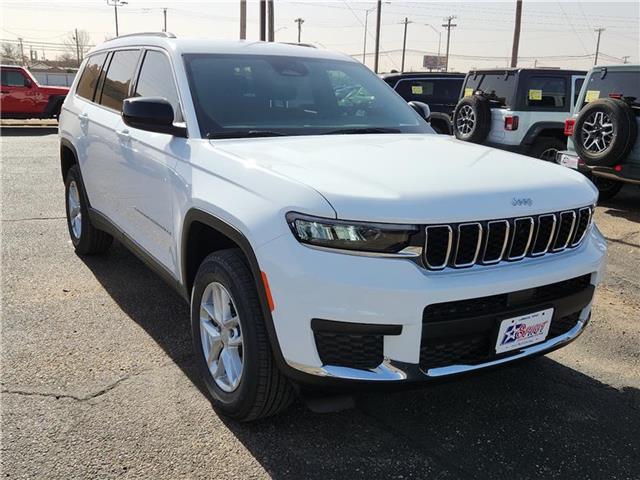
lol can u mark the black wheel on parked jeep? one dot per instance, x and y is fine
(86, 238)
(607, 188)
(545, 148)
(604, 132)
(230, 340)
(472, 119)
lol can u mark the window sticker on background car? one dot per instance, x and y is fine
(468, 92)
(592, 95)
(416, 89)
(535, 94)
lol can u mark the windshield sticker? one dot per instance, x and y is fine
(416, 89)
(592, 95)
(468, 92)
(535, 94)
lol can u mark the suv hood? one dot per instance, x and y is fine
(412, 178)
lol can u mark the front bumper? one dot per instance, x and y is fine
(308, 284)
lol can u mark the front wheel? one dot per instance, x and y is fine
(230, 340)
(546, 148)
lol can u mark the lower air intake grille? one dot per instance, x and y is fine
(350, 350)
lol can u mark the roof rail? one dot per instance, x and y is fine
(145, 34)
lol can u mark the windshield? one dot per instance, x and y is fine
(259, 95)
(614, 83)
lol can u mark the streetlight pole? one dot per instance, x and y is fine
(115, 4)
(164, 12)
(364, 46)
(439, 37)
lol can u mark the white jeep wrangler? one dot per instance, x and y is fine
(521, 110)
(319, 241)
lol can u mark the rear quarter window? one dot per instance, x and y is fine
(90, 76)
(430, 91)
(546, 92)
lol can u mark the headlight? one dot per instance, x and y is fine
(346, 235)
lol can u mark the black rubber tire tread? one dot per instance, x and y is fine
(607, 188)
(544, 143)
(92, 241)
(270, 391)
(624, 137)
(482, 110)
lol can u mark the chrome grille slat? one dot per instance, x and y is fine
(477, 247)
(488, 242)
(505, 241)
(521, 220)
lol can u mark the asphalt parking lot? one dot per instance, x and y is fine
(98, 380)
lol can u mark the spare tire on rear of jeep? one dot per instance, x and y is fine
(605, 131)
(472, 119)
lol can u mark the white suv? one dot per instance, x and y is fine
(320, 242)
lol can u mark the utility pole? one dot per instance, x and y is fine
(448, 26)
(625, 59)
(270, 21)
(75, 37)
(599, 30)
(404, 42)
(243, 19)
(115, 4)
(377, 56)
(299, 21)
(21, 51)
(164, 12)
(516, 34)
(263, 20)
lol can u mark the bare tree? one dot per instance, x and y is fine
(77, 44)
(9, 53)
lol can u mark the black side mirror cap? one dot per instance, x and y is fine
(421, 109)
(153, 114)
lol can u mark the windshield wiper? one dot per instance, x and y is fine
(355, 131)
(245, 134)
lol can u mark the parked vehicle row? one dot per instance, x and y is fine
(322, 233)
(22, 97)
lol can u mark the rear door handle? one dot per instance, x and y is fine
(84, 118)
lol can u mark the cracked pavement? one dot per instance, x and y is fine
(98, 378)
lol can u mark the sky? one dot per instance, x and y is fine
(554, 34)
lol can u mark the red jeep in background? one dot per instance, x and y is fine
(22, 97)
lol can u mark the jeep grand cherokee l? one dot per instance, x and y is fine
(319, 242)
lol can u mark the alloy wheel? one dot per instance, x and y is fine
(466, 120)
(75, 210)
(221, 336)
(597, 132)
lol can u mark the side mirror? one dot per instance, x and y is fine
(153, 114)
(421, 109)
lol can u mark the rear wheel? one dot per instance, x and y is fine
(86, 238)
(230, 340)
(546, 148)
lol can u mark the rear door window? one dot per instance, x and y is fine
(546, 92)
(430, 91)
(118, 79)
(90, 76)
(499, 87)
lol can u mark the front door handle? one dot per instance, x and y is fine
(84, 118)
(123, 135)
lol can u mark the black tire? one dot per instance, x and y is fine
(263, 390)
(623, 136)
(90, 240)
(473, 129)
(545, 148)
(607, 188)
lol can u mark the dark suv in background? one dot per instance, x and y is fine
(438, 90)
(521, 110)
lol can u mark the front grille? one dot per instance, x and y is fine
(466, 244)
(477, 347)
(362, 351)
